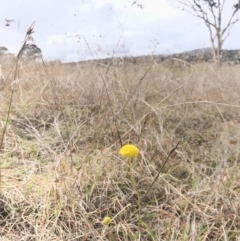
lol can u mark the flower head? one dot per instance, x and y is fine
(129, 151)
(107, 220)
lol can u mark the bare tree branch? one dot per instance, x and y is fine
(211, 12)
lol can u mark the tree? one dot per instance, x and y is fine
(3, 50)
(31, 51)
(211, 12)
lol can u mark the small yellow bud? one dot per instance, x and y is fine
(107, 220)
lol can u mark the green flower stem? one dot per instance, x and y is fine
(134, 184)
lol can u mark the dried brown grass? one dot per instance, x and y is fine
(61, 172)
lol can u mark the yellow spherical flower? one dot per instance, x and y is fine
(107, 220)
(129, 151)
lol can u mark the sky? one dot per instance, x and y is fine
(72, 30)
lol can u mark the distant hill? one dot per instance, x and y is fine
(192, 56)
(205, 55)
(31, 51)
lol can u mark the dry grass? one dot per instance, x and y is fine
(61, 173)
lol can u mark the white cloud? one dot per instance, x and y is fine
(154, 9)
(157, 27)
(85, 8)
(55, 39)
(118, 4)
(135, 34)
(158, 9)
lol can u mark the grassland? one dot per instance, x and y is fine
(61, 172)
